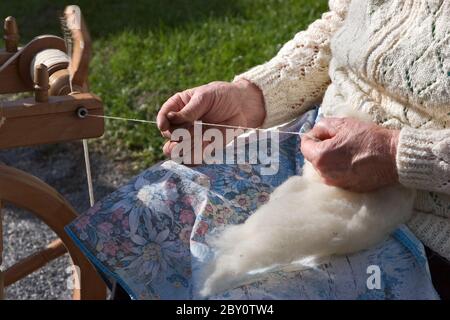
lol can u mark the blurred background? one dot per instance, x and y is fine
(143, 52)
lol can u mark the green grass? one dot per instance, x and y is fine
(144, 51)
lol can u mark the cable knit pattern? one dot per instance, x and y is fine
(391, 60)
(297, 76)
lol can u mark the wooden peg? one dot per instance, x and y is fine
(11, 35)
(41, 85)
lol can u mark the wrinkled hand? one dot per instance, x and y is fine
(351, 154)
(238, 104)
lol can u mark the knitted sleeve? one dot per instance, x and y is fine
(423, 159)
(297, 76)
(433, 231)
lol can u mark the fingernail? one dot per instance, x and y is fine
(171, 115)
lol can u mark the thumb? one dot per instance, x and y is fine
(310, 147)
(326, 128)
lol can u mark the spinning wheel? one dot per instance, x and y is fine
(27, 192)
(56, 70)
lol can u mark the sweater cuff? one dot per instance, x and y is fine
(262, 76)
(415, 158)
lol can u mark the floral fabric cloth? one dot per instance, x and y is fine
(151, 235)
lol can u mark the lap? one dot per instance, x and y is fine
(151, 236)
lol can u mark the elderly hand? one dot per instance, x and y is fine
(351, 154)
(239, 103)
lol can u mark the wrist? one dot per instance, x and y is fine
(252, 102)
(393, 146)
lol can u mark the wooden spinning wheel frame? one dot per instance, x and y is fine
(41, 120)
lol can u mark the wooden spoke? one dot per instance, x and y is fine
(34, 262)
(48, 205)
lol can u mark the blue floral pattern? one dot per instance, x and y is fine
(151, 236)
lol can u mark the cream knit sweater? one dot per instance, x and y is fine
(390, 59)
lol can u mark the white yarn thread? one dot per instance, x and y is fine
(48, 57)
(201, 123)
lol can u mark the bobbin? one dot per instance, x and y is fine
(17, 64)
(16, 68)
(42, 66)
(57, 63)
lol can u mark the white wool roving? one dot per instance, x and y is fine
(304, 218)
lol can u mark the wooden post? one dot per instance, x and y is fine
(2, 289)
(11, 35)
(41, 85)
